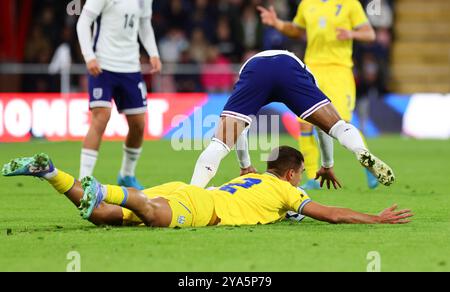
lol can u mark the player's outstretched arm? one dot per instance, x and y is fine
(337, 215)
(269, 17)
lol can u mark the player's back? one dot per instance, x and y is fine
(256, 199)
(247, 200)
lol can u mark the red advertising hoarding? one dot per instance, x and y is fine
(59, 117)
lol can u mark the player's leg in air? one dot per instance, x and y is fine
(41, 166)
(103, 204)
(301, 94)
(330, 123)
(338, 84)
(282, 77)
(342, 85)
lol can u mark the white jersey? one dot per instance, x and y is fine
(115, 40)
(270, 53)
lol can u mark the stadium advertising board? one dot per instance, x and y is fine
(59, 117)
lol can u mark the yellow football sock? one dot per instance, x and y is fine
(310, 151)
(116, 195)
(62, 182)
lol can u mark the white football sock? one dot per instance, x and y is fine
(208, 163)
(129, 160)
(348, 136)
(88, 160)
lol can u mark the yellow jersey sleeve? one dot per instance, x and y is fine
(297, 199)
(358, 16)
(300, 16)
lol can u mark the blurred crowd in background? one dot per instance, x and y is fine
(199, 33)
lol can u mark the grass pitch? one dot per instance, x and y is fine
(38, 228)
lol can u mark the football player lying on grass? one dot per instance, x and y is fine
(247, 200)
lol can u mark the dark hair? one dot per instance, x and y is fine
(283, 159)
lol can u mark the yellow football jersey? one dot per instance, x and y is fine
(257, 199)
(321, 18)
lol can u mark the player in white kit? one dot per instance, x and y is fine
(112, 58)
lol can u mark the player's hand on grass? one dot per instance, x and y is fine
(268, 16)
(248, 170)
(156, 65)
(327, 175)
(390, 216)
(344, 34)
(94, 68)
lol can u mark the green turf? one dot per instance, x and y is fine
(38, 227)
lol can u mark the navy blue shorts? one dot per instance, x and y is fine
(278, 78)
(128, 90)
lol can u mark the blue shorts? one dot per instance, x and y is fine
(278, 78)
(128, 90)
